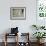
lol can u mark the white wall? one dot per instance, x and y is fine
(24, 25)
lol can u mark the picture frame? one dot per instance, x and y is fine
(41, 9)
(41, 12)
(18, 13)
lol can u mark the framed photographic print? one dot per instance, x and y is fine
(17, 13)
(41, 8)
(41, 12)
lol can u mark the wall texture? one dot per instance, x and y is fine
(24, 25)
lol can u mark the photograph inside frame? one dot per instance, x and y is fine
(17, 12)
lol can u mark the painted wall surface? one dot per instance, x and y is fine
(24, 25)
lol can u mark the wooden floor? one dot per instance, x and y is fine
(13, 44)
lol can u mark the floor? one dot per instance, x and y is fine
(13, 44)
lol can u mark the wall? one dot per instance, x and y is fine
(24, 25)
